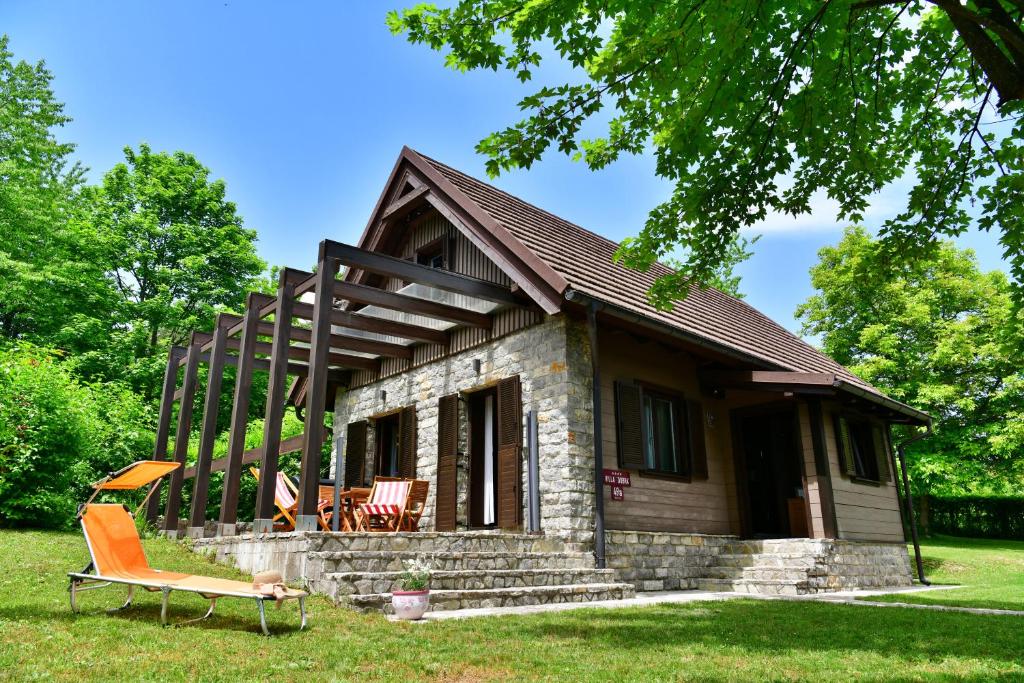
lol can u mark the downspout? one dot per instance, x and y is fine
(599, 555)
(908, 499)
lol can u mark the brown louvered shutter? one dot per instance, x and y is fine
(407, 443)
(881, 454)
(355, 454)
(629, 426)
(698, 447)
(447, 459)
(845, 446)
(510, 438)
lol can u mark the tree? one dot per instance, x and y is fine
(941, 336)
(753, 106)
(43, 276)
(175, 249)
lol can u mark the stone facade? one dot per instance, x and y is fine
(552, 361)
(789, 566)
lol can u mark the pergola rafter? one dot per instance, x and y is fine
(351, 327)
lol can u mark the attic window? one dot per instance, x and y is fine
(434, 254)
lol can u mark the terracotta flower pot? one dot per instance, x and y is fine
(410, 605)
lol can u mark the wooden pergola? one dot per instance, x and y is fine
(351, 327)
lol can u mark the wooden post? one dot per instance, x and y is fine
(208, 434)
(163, 425)
(188, 392)
(316, 392)
(240, 413)
(826, 498)
(263, 519)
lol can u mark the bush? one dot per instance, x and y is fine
(974, 516)
(57, 435)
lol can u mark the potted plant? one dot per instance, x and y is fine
(412, 601)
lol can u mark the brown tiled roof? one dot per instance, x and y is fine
(584, 259)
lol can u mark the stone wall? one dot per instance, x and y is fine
(553, 364)
(668, 561)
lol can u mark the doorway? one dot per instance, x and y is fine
(483, 471)
(770, 474)
(386, 461)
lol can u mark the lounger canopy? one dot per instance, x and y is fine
(135, 476)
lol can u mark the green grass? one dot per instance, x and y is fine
(732, 640)
(990, 571)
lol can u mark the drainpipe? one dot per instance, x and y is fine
(592, 307)
(908, 499)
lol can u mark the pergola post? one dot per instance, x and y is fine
(208, 433)
(163, 425)
(240, 413)
(316, 392)
(188, 392)
(263, 519)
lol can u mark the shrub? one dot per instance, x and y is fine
(57, 435)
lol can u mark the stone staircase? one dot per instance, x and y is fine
(471, 570)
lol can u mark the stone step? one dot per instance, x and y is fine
(393, 561)
(441, 600)
(766, 560)
(759, 573)
(756, 587)
(340, 584)
(431, 542)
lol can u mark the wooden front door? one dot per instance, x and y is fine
(495, 436)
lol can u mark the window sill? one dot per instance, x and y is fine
(654, 474)
(865, 482)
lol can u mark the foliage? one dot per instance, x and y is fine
(416, 575)
(735, 640)
(942, 336)
(990, 573)
(57, 435)
(723, 276)
(755, 106)
(976, 516)
(43, 277)
(176, 249)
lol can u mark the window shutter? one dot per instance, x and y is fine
(447, 459)
(629, 426)
(846, 458)
(510, 437)
(881, 454)
(698, 447)
(407, 443)
(355, 454)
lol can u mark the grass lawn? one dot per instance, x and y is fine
(990, 571)
(734, 640)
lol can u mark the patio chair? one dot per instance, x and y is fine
(286, 498)
(116, 555)
(385, 507)
(418, 490)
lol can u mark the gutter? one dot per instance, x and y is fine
(908, 498)
(598, 439)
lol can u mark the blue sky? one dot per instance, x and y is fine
(302, 109)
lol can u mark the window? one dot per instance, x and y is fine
(862, 449)
(663, 447)
(433, 254)
(659, 432)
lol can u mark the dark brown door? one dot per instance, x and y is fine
(510, 439)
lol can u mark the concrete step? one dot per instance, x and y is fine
(341, 584)
(752, 586)
(393, 561)
(441, 600)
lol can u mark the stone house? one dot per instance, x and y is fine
(716, 419)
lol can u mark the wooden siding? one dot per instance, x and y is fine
(864, 512)
(467, 260)
(817, 524)
(655, 504)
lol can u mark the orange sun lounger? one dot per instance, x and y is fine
(117, 554)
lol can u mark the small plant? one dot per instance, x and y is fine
(416, 576)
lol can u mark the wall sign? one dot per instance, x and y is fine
(618, 480)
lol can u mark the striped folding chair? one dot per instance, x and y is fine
(385, 508)
(286, 498)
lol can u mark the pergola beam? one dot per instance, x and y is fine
(208, 431)
(234, 459)
(182, 434)
(389, 266)
(167, 398)
(361, 294)
(365, 323)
